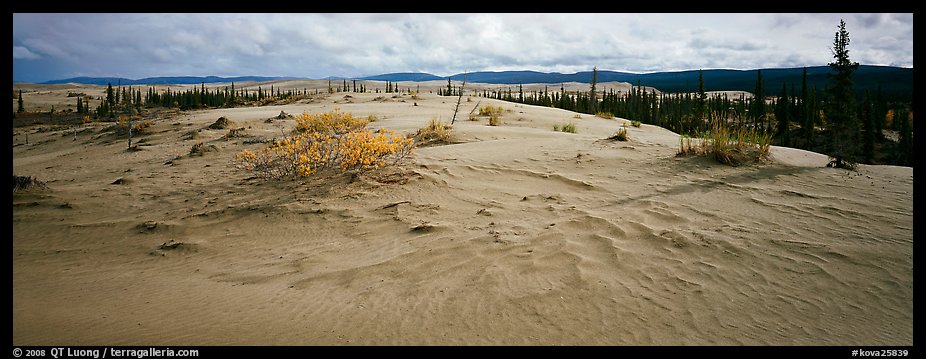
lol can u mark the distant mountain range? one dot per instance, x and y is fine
(895, 81)
(175, 80)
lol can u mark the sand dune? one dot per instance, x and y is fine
(514, 235)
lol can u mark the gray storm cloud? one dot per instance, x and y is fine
(54, 46)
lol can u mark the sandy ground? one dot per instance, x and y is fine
(515, 235)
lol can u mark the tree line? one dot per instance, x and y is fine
(830, 120)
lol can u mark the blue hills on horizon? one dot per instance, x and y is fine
(893, 80)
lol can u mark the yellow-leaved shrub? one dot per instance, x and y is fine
(334, 122)
(333, 141)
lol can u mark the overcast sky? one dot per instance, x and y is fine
(57, 46)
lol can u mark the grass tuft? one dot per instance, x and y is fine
(566, 127)
(728, 146)
(620, 135)
(436, 131)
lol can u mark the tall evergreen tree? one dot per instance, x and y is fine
(905, 147)
(841, 113)
(20, 108)
(782, 115)
(866, 113)
(700, 105)
(110, 100)
(880, 112)
(806, 114)
(759, 102)
(593, 97)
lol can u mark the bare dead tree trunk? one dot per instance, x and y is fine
(474, 108)
(457, 109)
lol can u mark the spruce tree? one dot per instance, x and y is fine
(110, 100)
(593, 97)
(759, 101)
(866, 112)
(905, 147)
(782, 115)
(700, 105)
(806, 112)
(880, 111)
(841, 113)
(20, 108)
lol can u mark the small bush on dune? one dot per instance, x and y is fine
(490, 110)
(334, 122)
(577, 116)
(636, 123)
(494, 120)
(121, 127)
(329, 142)
(605, 115)
(435, 132)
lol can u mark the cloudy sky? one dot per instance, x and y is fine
(57, 46)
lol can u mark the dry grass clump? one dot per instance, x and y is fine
(620, 135)
(568, 127)
(22, 183)
(727, 146)
(329, 142)
(494, 120)
(577, 116)
(490, 110)
(493, 112)
(636, 123)
(435, 132)
(605, 115)
(121, 128)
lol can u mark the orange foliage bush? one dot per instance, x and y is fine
(327, 142)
